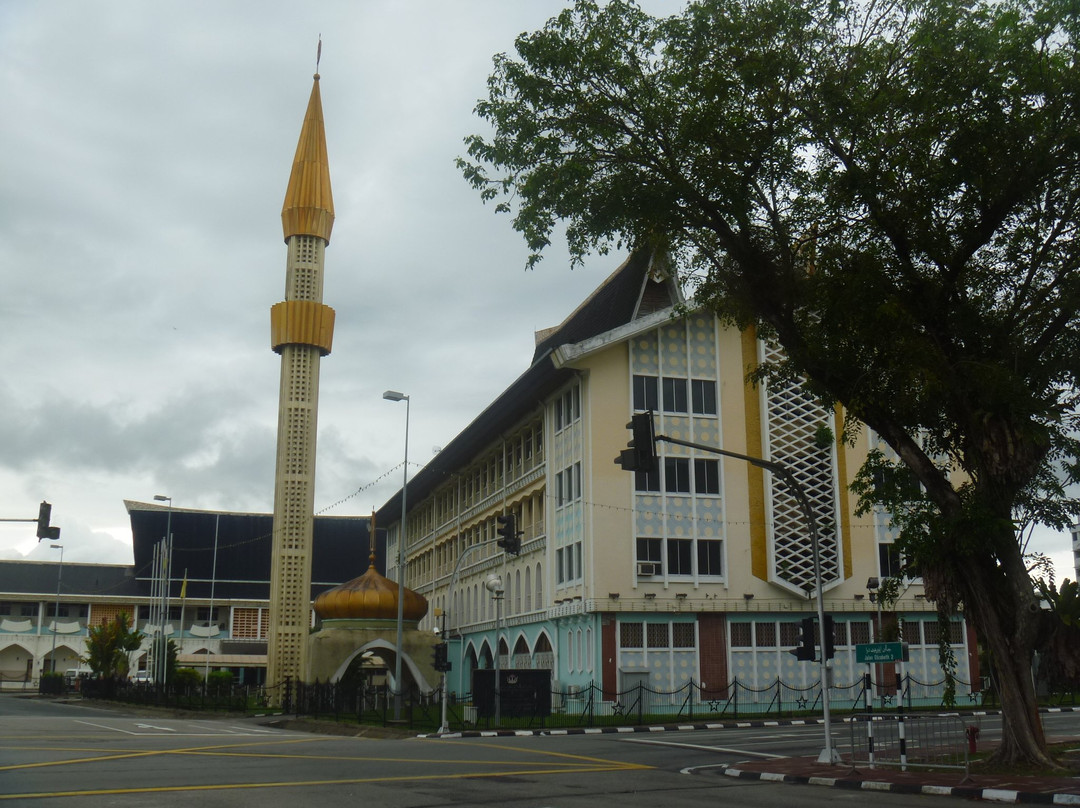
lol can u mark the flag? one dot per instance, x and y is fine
(183, 587)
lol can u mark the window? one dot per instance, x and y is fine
(678, 557)
(577, 559)
(677, 475)
(703, 396)
(675, 395)
(765, 635)
(708, 557)
(682, 635)
(740, 635)
(568, 485)
(647, 480)
(649, 550)
(888, 560)
(559, 566)
(631, 635)
(645, 393)
(567, 408)
(707, 476)
(657, 634)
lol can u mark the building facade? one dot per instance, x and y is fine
(700, 572)
(218, 586)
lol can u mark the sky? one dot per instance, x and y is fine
(145, 149)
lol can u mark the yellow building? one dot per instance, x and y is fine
(698, 573)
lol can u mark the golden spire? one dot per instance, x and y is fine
(309, 202)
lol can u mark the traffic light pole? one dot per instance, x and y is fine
(828, 754)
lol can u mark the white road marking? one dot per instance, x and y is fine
(704, 747)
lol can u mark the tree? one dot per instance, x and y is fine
(890, 192)
(108, 646)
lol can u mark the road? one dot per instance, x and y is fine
(53, 754)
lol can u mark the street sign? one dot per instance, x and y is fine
(871, 652)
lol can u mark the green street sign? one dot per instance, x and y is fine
(871, 652)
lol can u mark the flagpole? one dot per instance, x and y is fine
(183, 595)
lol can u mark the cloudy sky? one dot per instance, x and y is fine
(144, 154)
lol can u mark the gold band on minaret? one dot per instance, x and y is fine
(301, 322)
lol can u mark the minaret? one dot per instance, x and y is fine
(302, 330)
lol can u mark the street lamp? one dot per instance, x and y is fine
(873, 586)
(56, 612)
(494, 585)
(393, 395)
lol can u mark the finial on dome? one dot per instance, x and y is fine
(318, 57)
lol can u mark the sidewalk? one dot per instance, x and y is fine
(1048, 790)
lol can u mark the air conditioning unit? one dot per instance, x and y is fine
(646, 568)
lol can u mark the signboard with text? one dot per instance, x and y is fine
(872, 652)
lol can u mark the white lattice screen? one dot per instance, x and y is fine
(792, 419)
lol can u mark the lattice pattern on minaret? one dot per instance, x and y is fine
(792, 422)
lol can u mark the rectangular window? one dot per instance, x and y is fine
(740, 635)
(703, 394)
(559, 566)
(631, 635)
(765, 635)
(682, 635)
(677, 475)
(708, 557)
(678, 557)
(645, 393)
(657, 634)
(707, 476)
(860, 631)
(647, 480)
(649, 550)
(675, 395)
(888, 560)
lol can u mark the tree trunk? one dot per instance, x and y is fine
(1005, 615)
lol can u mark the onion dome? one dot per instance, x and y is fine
(369, 597)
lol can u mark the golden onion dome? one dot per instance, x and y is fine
(369, 597)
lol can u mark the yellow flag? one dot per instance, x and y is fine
(183, 588)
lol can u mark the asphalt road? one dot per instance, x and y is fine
(64, 754)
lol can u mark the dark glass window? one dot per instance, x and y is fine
(707, 476)
(708, 557)
(678, 555)
(645, 393)
(675, 395)
(703, 394)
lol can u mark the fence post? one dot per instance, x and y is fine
(868, 700)
(779, 698)
(640, 704)
(900, 712)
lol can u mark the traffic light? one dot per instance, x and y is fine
(509, 537)
(442, 657)
(43, 529)
(640, 454)
(828, 638)
(804, 651)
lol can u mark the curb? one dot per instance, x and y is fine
(967, 792)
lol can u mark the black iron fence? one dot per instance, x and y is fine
(568, 707)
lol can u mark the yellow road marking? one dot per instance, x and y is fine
(309, 783)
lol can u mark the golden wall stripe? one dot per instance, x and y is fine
(845, 494)
(759, 550)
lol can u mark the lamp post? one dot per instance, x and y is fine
(393, 395)
(494, 585)
(56, 611)
(873, 586)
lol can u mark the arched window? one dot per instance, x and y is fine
(517, 592)
(570, 651)
(580, 658)
(508, 595)
(590, 653)
(539, 588)
(528, 589)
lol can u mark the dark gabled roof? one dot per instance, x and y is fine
(92, 580)
(614, 303)
(630, 291)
